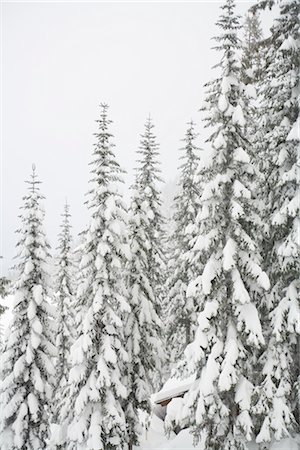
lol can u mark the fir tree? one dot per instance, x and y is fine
(279, 145)
(144, 327)
(27, 372)
(98, 356)
(218, 405)
(147, 185)
(182, 310)
(64, 298)
(147, 182)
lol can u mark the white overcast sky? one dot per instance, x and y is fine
(60, 60)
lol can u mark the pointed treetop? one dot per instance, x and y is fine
(149, 123)
(66, 214)
(33, 182)
(230, 24)
(103, 121)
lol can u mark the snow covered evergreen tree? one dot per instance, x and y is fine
(182, 310)
(280, 194)
(218, 405)
(98, 357)
(27, 372)
(144, 326)
(64, 297)
(147, 182)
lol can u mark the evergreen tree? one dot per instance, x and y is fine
(98, 357)
(218, 405)
(27, 372)
(280, 194)
(147, 180)
(147, 185)
(64, 297)
(144, 327)
(182, 310)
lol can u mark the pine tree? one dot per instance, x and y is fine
(280, 194)
(98, 356)
(144, 327)
(182, 309)
(27, 372)
(64, 298)
(218, 405)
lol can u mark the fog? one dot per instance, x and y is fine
(60, 60)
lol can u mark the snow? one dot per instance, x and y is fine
(250, 91)
(183, 441)
(172, 388)
(28, 267)
(243, 394)
(294, 134)
(228, 254)
(248, 317)
(31, 311)
(289, 44)
(228, 375)
(219, 141)
(241, 156)
(225, 85)
(240, 190)
(238, 116)
(222, 103)
(155, 439)
(33, 405)
(38, 294)
(209, 273)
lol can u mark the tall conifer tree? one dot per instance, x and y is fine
(218, 405)
(280, 195)
(64, 298)
(182, 309)
(144, 326)
(98, 356)
(147, 181)
(27, 372)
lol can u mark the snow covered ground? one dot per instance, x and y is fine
(155, 439)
